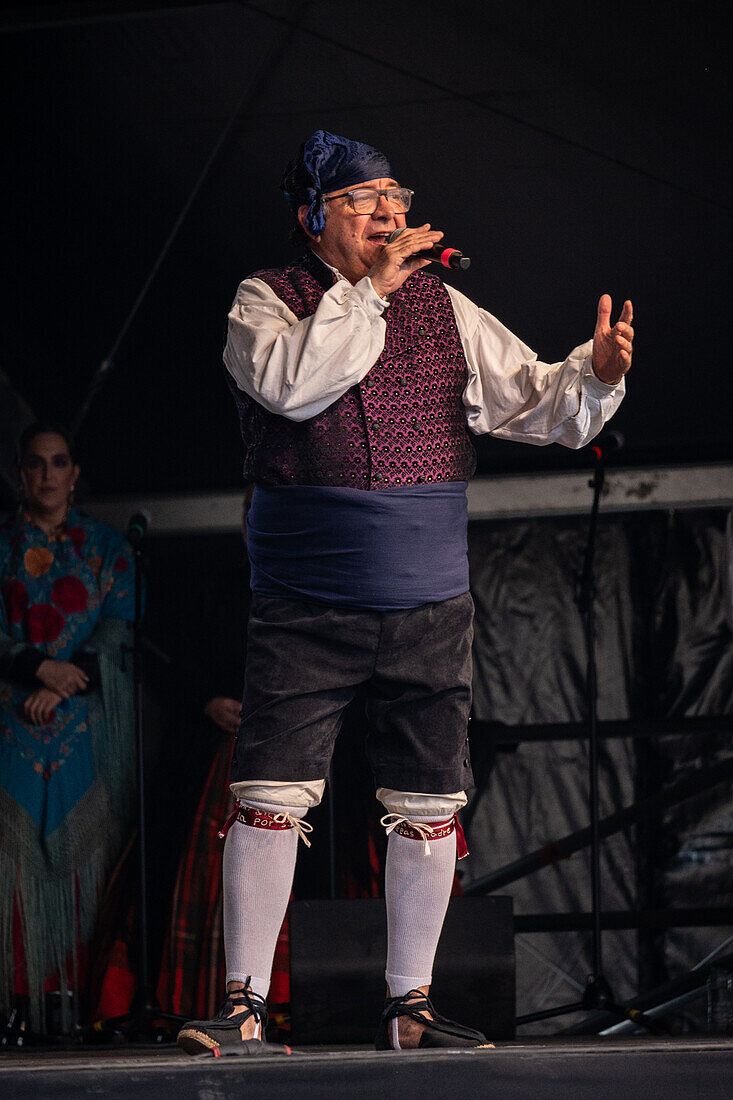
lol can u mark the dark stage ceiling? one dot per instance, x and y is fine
(569, 148)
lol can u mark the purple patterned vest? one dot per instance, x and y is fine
(404, 424)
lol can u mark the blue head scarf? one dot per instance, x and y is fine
(327, 162)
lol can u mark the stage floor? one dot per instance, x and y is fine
(539, 1069)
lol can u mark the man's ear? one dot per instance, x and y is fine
(302, 211)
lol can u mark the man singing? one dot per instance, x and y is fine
(359, 377)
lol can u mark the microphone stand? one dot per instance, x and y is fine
(144, 1010)
(597, 995)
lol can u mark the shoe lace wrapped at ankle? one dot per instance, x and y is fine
(403, 1006)
(255, 1006)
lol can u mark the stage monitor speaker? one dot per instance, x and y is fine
(337, 960)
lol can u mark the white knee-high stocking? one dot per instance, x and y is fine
(417, 889)
(257, 879)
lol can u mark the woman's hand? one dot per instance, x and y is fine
(224, 713)
(63, 677)
(40, 705)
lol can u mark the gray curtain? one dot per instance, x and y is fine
(663, 648)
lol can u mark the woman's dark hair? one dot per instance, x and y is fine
(42, 428)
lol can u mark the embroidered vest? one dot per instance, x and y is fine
(404, 424)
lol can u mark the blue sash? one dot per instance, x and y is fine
(395, 548)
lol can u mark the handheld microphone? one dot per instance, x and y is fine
(137, 526)
(440, 253)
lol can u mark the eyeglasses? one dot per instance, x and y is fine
(365, 200)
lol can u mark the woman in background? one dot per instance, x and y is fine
(67, 746)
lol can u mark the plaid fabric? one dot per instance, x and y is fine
(191, 981)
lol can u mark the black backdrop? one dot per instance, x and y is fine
(569, 148)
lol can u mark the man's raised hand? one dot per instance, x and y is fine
(612, 347)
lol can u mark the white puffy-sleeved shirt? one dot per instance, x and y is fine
(346, 546)
(298, 368)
